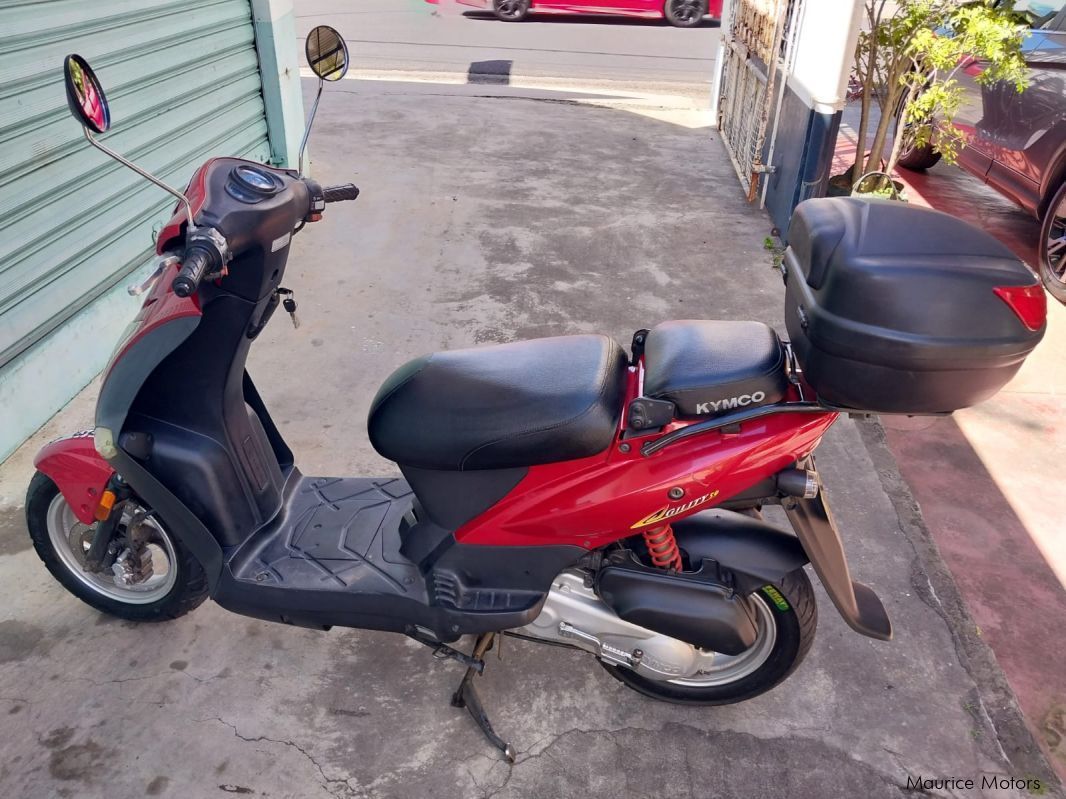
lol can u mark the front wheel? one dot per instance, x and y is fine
(151, 577)
(1052, 256)
(685, 13)
(787, 619)
(511, 10)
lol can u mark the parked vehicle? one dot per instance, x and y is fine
(559, 490)
(680, 13)
(1016, 142)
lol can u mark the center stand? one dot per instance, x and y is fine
(466, 696)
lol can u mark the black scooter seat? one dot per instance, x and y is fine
(502, 406)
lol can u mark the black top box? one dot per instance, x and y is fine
(894, 308)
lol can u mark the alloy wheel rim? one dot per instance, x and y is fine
(685, 10)
(1055, 245)
(512, 8)
(70, 538)
(725, 669)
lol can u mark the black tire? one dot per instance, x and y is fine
(918, 159)
(510, 10)
(796, 626)
(685, 13)
(1052, 267)
(189, 589)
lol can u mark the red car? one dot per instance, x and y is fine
(680, 13)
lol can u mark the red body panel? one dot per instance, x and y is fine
(196, 191)
(161, 306)
(595, 501)
(77, 468)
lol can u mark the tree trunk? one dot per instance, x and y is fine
(888, 111)
(864, 117)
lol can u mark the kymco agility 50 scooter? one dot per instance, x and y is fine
(560, 490)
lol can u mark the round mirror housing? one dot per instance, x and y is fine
(85, 95)
(327, 54)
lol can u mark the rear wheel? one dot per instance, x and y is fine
(685, 13)
(1052, 254)
(511, 10)
(787, 620)
(152, 577)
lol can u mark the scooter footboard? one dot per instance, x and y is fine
(817, 531)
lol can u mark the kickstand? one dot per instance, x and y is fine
(466, 696)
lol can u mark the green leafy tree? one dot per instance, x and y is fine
(908, 57)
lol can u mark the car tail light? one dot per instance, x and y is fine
(1029, 303)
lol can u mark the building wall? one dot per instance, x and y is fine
(186, 80)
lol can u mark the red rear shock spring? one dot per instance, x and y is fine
(662, 546)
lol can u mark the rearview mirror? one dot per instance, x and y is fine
(88, 104)
(327, 54)
(85, 95)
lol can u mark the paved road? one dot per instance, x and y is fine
(412, 35)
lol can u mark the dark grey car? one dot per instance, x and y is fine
(1016, 142)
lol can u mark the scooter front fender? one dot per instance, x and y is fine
(77, 468)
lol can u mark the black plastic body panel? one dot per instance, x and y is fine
(335, 555)
(452, 498)
(891, 308)
(210, 448)
(699, 612)
(332, 556)
(756, 552)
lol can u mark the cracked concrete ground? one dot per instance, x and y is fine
(488, 218)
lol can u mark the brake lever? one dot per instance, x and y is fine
(162, 262)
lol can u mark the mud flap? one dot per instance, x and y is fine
(857, 603)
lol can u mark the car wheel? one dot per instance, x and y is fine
(918, 159)
(1053, 246)
(511, 10)
(685, 13)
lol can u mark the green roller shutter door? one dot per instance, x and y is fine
(183, 82)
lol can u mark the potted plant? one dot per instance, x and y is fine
(907, 58)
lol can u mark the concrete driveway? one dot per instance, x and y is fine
(488, 216)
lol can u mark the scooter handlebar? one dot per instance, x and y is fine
(193, 269)
(336, 194)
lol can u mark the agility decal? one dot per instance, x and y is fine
(663, 514)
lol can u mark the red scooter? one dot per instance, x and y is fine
(561, 490)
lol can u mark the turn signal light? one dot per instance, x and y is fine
(107, 501)
(1029, 303)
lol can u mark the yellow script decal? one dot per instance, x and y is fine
(663, 514)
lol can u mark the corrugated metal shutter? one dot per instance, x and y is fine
(183, 81)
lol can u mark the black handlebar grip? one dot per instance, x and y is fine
(192, 271)
(336, 194)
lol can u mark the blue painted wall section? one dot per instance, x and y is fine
(275, 33)
(803, 155)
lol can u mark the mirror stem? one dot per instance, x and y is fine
(310, 121)
(181, 197)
